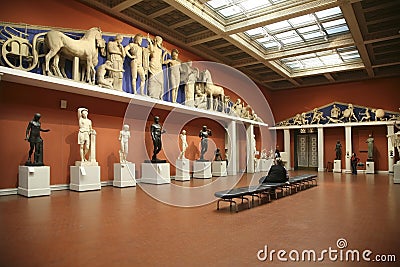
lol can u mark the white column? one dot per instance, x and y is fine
(75, 69)
(92, 155)
(321, 149)
(349, 148)
(286, 144)
(250, 148)
(391, 149)
(232, 149)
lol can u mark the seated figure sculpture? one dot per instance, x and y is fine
(102, 80)
(35, 141)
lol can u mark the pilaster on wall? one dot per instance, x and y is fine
(286, 144)
(321, 149)
(250, 148)
(391, 149)
(349, 148)
(232, 149)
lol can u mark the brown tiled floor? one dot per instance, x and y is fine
(126, 227)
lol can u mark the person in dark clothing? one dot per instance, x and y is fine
(276, 174)
(354, 161)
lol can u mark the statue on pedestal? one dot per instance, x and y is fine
(124, 136)
(218, 156)
(184, 145)
(86, 137)
(204, 134)
(35, 141)
(370, 142)
(338, 150)
(156, 131)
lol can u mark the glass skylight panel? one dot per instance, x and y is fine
(333, 23)
(312, 62)
(308, 29)
(278, 26)
(255, 31)
(294, 65)
(270, 45)
(217, 3)
(333, 59)
(263, 40)
(230, 11)
(328, 12)
(337, 30)
(286, 34)
(292, 40)
(253, 4)
(313, 35)
(301, 20)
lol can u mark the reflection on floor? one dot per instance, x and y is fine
(127, 227)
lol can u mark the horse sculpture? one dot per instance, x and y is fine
(85, 49)
(212, 90)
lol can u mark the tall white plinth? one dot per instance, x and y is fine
(155, 173)
(265, 164)
(396, 172)
(370, 167)
(182, 170)
(202, 169)
(85, 178)
(337, 165)
(34, 181)
(256, 165)
(124, 174)
(218, 168)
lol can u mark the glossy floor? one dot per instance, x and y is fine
(127, 227)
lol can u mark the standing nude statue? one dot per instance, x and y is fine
(204, 134)
(174, 79)
(156, 131)
(35, 141)
(135, 52)
(116, 54)
(124, 136)
(184, 145)
(156, 77)
(84, 134)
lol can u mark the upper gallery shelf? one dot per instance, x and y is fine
(71, 86)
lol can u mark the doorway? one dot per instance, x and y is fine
(306, 152)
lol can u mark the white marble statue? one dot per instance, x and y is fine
(175, 74)
(200, 99)
(317, 116)
(264, 154)
(124, 136)
(102, 80)
(116, 54)
(367, 115)
(189, 76)
(86, 137)
(184, 144)
(348, 113)
(379, 114)
(238, 107)
(135, 52)
(214, 92)
(156, 77)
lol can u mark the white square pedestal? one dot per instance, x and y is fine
(337, 165)
(182, 170)
(370, 167)
(256, 165)
(124, 174)
(85, 178)
(265, 164)
(155, 173)
(218, 168)
(34, 181)
(202, 169)
(396, 172)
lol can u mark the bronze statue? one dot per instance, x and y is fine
(338, 150)
(156, 131)
(36, 142)
(204, 134)
(217, 156)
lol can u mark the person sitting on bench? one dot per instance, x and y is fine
(276, 174)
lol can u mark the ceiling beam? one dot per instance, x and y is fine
(161, 12)
(124, 5)
(379, 38)
(329, 77)
(244, 62)
(182, 23)
(352, 22)
(200, 39)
